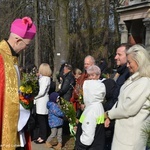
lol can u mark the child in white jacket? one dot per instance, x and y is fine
(90, 133)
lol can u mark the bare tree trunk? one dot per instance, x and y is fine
(106, 26)
(36, 50)
(61, 35)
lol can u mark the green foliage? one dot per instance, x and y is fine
(29, 84)
(69, 111)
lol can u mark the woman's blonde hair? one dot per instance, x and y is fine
(45, 70)
(141, 56)
(77, 71)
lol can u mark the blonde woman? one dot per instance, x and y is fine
(131, 111)
(41, 100)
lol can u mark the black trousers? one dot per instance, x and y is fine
(109, 132)
(43, 126)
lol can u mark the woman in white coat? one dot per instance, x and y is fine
(41, 100)
(130, 112)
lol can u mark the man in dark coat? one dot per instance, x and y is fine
(68, 83)
(121, 76)
(122, 71)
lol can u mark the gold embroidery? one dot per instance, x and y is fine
(11, 104)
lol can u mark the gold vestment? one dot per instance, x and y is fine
(10, 108)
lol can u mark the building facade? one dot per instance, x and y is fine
(135, 22)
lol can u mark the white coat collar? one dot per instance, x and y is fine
(131, 79)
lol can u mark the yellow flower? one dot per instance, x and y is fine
(29, 90)
(22, 89)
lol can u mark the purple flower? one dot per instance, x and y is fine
(27, 96)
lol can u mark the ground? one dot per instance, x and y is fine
(68, 144)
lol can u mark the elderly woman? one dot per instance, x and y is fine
(94, 72)
(131, 112)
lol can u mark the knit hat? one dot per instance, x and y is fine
(53, 97)
(24, 28)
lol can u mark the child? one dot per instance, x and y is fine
(55, 120)
(90, 130)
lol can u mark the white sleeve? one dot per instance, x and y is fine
(88, 128)
(131, 103)
(43, 85)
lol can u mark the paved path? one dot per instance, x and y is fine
(39, 147)
(68, 144)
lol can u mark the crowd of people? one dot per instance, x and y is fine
(111, 113)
